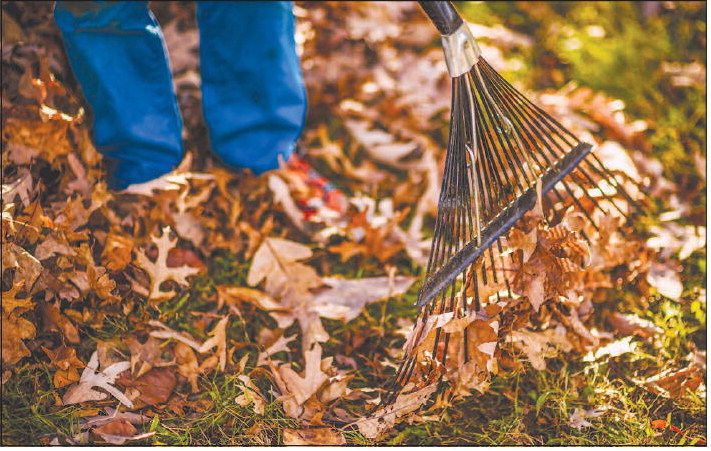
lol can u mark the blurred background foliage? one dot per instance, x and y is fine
(651, 55)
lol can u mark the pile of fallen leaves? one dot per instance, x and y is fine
(93, 281)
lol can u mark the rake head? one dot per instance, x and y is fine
(505, 157)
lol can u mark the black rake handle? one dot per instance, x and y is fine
(443, 16)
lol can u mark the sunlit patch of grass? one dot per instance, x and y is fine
(534, 408)
(222, 422)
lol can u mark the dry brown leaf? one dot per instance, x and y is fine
(527, 242)
(627, 324)
(345, 299)
(91, 377)
(11, 303)
(21, 186)
(280, 344)
(232, 295)
(272, 257)
(675, 384)
(538, 345)
(116, 427)
(154, 387)
(15, 329)
(290, 282)
(168, 333)
(53, 245)
(250, 395)
(67, 363)
(303, 387)
(145, 356)
(27, 267)
(159, 271)
(666, 280)
(117, 252)
(53, 320)
(315, 437)
(116, 432)
(282, 196)
(383, 419)
(187, 364)
(535, 290)
(219, 340)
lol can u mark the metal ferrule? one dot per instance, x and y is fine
(461, 52)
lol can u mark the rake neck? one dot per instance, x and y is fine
(461, 51)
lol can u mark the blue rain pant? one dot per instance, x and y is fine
(254, 99)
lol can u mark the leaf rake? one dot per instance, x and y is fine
(505, 157)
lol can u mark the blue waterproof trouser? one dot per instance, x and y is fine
(254, 100)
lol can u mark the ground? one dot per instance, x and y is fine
(214, 316)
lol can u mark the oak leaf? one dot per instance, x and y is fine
(91, 377)
(303, 387)
(159, 271)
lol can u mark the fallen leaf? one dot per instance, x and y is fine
(11, 303)
(538, 345)
(154, 387)
(578, 419)
(27, 267)
(303, 387)
(91, 377)
(614, 349)
(187, 365)
(675, 384)
(117, 252)
(168, 333)
(383, 419)
(665, 280)
(159, 271)
(250, 395)
(67, 363)
(271, 255)
(54, 321)
(281, 344)
(219, 340)
(15, 329)
(345, 299)
(282, 196)
(627, 324)
(527, 242)
(232, 295)
(317, 437)
(145, 356)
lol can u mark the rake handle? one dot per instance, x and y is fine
(443, 16)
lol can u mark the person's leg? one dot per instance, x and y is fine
(118, 55)
(254, 97)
